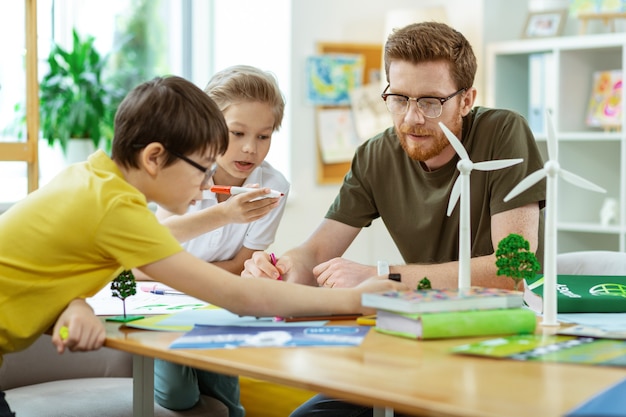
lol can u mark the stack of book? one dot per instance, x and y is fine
(449, 313)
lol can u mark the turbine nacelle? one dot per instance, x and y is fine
(465, 166)
(552, 168)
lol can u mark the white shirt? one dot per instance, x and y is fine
(223, 244)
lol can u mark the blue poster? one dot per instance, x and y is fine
(331, 77)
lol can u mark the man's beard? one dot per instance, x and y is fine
(426, 150)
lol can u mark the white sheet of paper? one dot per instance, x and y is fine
(604, 321)
(142, 303)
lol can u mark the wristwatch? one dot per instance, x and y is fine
(383, 268)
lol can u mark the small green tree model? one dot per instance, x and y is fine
(424, 284)
(123, 286)
(515, 260)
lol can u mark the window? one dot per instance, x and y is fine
(191, 38)
(151, 20)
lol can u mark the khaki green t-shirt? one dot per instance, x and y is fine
(384, 182)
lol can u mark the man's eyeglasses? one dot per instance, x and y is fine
(208, 172)
(431, 107)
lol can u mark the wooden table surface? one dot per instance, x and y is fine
(416, 377)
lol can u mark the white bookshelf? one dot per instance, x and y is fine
(590, 152)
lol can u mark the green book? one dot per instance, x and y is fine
(456, 323)
(580, 293)
(550, 348)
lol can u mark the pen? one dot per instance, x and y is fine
(366, 320)
(323, 317)
(166, 292)
(232, 190)
(274, 260)
(155, 289)
(280, 278)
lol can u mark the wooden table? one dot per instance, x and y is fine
(416, 377)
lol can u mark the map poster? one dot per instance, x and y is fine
(331, 77)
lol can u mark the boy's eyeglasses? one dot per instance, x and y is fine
(208, 172)
(431, 107)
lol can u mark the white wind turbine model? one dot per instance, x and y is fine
(461, 188)
(551, 171)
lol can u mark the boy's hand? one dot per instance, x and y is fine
(78, 329)
(377, 284)
(244, 208)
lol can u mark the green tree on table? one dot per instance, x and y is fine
(515, 260)
(123, 286)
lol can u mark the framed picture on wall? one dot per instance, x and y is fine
(544, 24)
(330, 77)
(605, 102)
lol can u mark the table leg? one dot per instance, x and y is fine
(383, 412)
(143, 386)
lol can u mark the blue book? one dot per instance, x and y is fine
(608, 403)
(229, 337)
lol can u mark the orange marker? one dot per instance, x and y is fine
(232, 190)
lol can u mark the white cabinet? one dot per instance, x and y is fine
(561, 80)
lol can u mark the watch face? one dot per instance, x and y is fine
(383, 268)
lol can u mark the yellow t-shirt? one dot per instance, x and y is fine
(69, 239)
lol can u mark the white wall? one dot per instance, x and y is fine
(343, 21)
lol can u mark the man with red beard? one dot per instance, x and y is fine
(405, 175)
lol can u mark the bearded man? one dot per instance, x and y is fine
(405, 176)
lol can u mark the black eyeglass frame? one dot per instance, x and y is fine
(442, 100)
(208, 172)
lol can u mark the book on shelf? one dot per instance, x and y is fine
(439, 300)
(456, 323)
(541, 81)
(580, 293)
(550, 348)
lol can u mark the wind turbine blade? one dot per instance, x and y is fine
(580, 181)
(553, 143)
(526, 183)
(454, 195)
(455, 142)
(497, 164)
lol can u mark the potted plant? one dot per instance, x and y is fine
(74, 102)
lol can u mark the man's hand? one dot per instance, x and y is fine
(260, 266)
(78, 328)
(339, 272)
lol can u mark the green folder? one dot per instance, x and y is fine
(581, 293)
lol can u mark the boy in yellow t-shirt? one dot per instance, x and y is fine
(65, 241)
